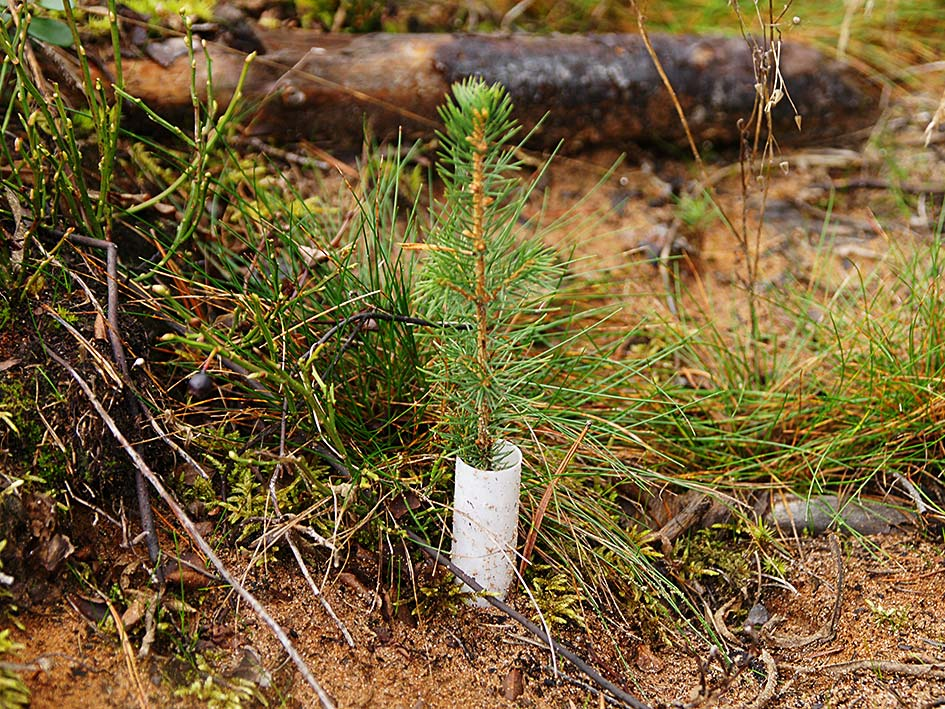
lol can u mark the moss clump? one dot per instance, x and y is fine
(196, 9)
(23, 436)
(710, 558)
(13, 690)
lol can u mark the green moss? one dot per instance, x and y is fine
(13, 690)
(6, 314)
(354, 15)
(248, 501)
(212, 690)
(442, 597)
(22, 435)
(710, 557)
(558, 599)
(893, 617)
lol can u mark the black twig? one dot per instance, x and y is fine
(134, 406)
(586, 686)
(369, 315)
(437, 558)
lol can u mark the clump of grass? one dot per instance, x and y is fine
(849, 400)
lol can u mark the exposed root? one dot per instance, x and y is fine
(771, 681)
(880, 667)
(829, 630)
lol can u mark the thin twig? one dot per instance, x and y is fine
(641, 24)
(369, 315)
(718, 622)
(703, 173)
(129, 655)
(316, 591)
(878, 183)
(118, 352)
(662, 264)
(173, 445)
(587, 687)
(95, 508)
(104, 367)
(188, 525)
(288, 156)
(44, 663)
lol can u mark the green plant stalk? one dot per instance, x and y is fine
(106, 120)
(32, 148)
(305, 387)
(110, 128)
(326, 377)
(163, 123)
(38, 107)
(207, 134)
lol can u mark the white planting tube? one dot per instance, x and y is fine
(485, 520)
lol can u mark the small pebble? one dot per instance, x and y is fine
(200, 385)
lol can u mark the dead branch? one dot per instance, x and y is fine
(721, 627)
(589, 89)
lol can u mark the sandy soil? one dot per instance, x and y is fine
(888, 649)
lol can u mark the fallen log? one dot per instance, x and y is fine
(590, 89)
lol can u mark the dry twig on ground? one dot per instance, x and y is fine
(198, 539)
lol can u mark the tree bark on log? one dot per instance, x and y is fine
(588, 89)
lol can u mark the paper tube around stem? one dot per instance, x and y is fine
(485, 520)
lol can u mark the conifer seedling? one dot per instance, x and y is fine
(482, 275)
